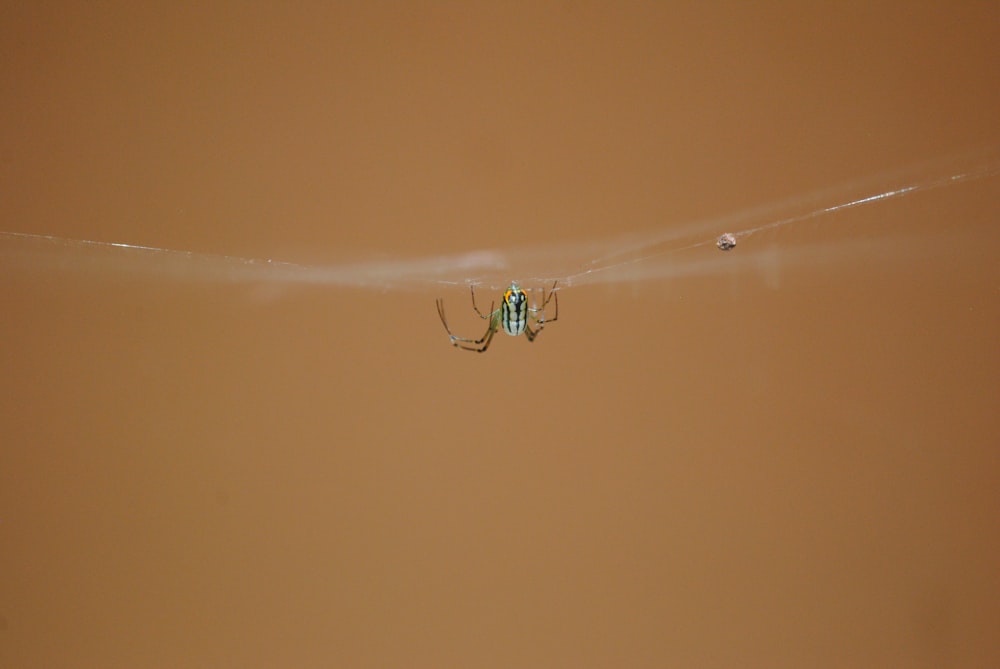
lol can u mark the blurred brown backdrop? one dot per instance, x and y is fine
(732, 470)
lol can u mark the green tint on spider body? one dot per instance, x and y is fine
(513, 316)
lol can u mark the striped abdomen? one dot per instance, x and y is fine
(514, 311)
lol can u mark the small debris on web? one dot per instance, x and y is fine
(726, 241)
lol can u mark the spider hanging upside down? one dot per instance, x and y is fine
(513, 316)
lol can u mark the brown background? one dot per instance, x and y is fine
(733, 469)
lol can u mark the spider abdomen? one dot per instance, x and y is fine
(514, 311)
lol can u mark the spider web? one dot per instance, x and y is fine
(644, 256)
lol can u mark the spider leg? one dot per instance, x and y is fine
(444, 321)
(480, 344)
(531, 334)
(541, 309)
(541, 320)
(546, 299)
(472, 289)
(556, 317)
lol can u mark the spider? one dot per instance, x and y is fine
(513, 316)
